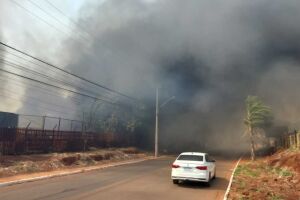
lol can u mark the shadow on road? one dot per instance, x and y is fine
(218, 183)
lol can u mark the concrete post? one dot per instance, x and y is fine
(156, 126)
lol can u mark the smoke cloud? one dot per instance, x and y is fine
(209, 54)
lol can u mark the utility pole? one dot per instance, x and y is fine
(84, 140)
(156, 119)
(82, 126)
(156, 125)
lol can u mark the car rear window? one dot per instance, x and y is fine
(190, 157)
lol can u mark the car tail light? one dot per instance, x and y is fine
(175, 166)
(202, 167)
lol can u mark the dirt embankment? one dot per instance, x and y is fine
(276, 177)
(289, 159)
(24, 164)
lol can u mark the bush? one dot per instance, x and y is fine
(70, 160)
(97, 157)
(130, 150)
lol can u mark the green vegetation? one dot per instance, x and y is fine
(257, 116)
(246, 171)
(272, 178)
(282, 172)
(276, 197)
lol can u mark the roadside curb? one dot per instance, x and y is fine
(230, 181)
(88, 169)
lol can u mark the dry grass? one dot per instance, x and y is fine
(271, 178)
(15, 165)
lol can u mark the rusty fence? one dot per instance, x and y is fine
(290, 140)
(25, 140)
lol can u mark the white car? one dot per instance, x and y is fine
(193, 166)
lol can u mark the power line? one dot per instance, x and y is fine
(107, 95)
(61, 88)
(38, 100)
(5, 51)
(5, 89)
(70, 19)
(73, 99)
(50, 15)
(64, 76)
(67, 72)
(75, 23)
(42, 89)
(49, 77)
(40, 18)
(34, 104)
(91, 34)
(47, 13)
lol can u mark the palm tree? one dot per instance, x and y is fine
(257, 116)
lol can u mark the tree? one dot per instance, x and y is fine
(258, 116)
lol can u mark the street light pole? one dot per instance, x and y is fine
(156, 119)
(156, 125)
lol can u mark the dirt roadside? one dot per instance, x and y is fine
(276, 177)
(26, 166)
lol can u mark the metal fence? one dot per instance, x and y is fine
(49, 123)
(27, 140)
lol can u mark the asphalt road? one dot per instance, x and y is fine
(140, 181)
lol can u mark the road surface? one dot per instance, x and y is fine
(145, 180)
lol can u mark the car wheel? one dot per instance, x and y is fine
(214, 175)
(209, 179)
(208, 183)
(175, 181)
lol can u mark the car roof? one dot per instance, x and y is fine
(193, 153)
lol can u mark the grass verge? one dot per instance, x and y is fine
(267, 179)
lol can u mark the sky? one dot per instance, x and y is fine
(21, 28)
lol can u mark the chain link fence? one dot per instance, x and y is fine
(49, 123)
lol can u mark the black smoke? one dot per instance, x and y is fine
(209, 54)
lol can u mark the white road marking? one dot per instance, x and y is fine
(231, 178)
